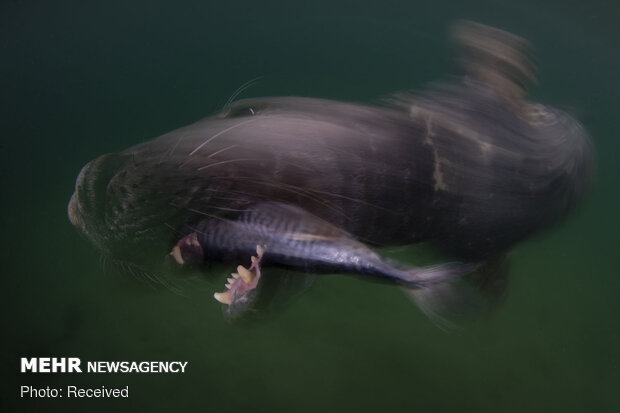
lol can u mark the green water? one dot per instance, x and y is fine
(78, 80)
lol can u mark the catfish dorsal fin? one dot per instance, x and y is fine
(495, 58)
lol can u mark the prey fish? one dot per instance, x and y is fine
(287, 236)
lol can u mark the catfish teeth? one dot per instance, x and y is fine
(223, 298)
(242, 281)
(245, 274)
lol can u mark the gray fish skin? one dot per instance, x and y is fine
(474, 181)
(470, 166)
(348, 164)
(294, 239)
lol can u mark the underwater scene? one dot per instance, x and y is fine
(289, 207)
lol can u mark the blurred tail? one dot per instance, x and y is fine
(427, 277)
(449, 301)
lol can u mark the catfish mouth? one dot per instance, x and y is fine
(241, 286)
(242, 283)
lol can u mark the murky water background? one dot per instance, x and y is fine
(78, 80)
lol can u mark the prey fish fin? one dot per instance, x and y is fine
(458, 300)
(433, 275)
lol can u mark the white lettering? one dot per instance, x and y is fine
(50, 365)
(183, 364)
(74, 391)
(29, 365)
(29, 391)
(58, 365)
(74, 365)
(44, 365)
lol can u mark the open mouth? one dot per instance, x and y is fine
(189, 251)
(242, 281)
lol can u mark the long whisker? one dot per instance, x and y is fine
(169, 153)
(224, 131)
(224, 162)
(222, 150)
(240, 89)
(230, 209)
(307, 192)
(356, 200)
(297, 191)
(205, 214)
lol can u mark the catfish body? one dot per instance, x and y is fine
(474, 182)
(470, 166)
(348, 164)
